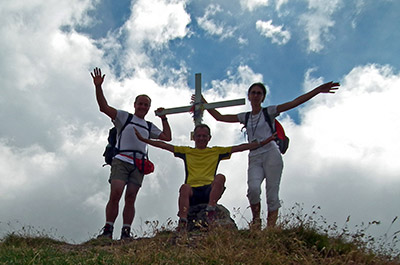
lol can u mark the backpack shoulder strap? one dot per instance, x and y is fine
(128, 120)
(268, 119)
(246, 118)
(149, 125)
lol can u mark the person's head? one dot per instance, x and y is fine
(142, 105)
(201, 136)
(257, 93)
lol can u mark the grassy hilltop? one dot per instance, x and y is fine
(297, 241)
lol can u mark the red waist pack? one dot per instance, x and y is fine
(144, 165)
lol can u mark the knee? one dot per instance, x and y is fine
(185, 190)
(219, 179)
(254, 188)
(253, 194)
(130, 198)
(115, 196)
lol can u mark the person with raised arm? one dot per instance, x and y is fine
(266, 162)
(125, 174)
(202, 183)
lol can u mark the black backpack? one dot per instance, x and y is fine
(111, 149)
(282, 140)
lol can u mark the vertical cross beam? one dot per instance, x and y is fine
(198, 111)
(199, 106)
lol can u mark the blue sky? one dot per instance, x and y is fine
(341, 158)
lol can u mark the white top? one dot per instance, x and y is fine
(258, 129)
(129, 141)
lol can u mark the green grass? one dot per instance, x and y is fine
(297, 245)
(299, 239)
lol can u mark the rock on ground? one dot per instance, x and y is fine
(197, 217)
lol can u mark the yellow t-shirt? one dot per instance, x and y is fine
(201, 164)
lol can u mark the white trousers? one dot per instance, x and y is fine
(268, 166)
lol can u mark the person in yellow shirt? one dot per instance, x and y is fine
(202, 183)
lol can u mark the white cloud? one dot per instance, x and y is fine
(253, 4)
(318, 21)
(155, 22)
(213, 27)
(275, 33)
(236, 83)
(344, 148)
(53, 134)
(280, 3)
(151, 26)
(20, 166)
(364, 104)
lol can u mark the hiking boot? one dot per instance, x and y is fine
(107, 232)
(126, 233)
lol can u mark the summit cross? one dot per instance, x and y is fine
(199, 106)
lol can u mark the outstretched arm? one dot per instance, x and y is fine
(329, 87)
(159, 144)
(101, 100)
(253, 145)
(221, 117)
(166, 132)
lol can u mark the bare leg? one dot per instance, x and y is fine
(256, 222)
(117, 188)
(185, 192)
(217, 188)
(129, 208)
(255, 210)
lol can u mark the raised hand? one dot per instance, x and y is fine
(159, 110)
(329, 87)
(97, 77)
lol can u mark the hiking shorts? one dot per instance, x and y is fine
(201, 194)
(268, 166)
(126, 172)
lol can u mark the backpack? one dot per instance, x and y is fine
(111, 149)
(281, 139)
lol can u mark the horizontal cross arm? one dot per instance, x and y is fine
(174, 110)
(227, 103)
(219, 104)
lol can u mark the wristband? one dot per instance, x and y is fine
(164, 119)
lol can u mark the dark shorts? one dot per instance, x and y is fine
(201, 195)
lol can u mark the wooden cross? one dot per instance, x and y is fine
(199, 106)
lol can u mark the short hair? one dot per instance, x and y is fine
(143, 95)
(202, 126)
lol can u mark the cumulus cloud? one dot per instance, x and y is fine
(280, 3)
(342, 142)
(318, 22)
(253, 4)
(208, 23)
(367, 97)
(275, 33)
(155, 22)
(53, 134)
